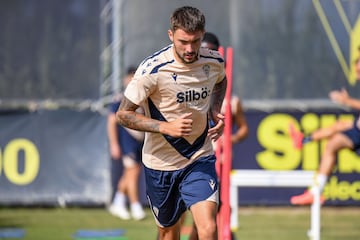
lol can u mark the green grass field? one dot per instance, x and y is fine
(256, 223)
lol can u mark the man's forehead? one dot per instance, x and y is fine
(183, 35)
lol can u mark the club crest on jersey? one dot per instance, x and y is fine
(206, 69)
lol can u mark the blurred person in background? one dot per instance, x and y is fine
(178, 86)
(341, 135)
(241, 129)
(125, 146)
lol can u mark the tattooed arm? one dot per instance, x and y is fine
(217, 98)
(127, 117)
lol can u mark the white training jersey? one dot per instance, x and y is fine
(167, 89)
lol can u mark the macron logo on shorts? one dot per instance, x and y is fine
(212, 184)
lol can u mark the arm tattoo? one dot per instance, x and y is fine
(127, 117)
(218, 95)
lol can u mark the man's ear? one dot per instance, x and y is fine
(171, 35)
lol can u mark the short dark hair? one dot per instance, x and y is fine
(187, 18)
(211, 39)
(130, 70)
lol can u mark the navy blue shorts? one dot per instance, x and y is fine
(171, 193)
(354, 135)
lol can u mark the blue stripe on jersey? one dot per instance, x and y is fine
(220, 60)
(156, 69)
(180, 144)
(156, 54)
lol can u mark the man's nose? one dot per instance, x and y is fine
(190, 48)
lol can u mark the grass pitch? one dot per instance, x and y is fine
(255, 223)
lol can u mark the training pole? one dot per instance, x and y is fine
(224, 156)
(219, 145)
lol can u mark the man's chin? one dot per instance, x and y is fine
(189, 60)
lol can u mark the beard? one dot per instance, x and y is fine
(187, 58)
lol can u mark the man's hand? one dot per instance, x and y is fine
(215, 132)
(180, 127)
(115, 151)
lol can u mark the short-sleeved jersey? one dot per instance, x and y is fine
(167, 89)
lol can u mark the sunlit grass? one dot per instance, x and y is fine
(255, 223)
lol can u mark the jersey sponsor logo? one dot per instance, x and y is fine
(192, 95)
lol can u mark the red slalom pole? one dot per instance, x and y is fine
(219, 144)
(227, 150)
(224, 160)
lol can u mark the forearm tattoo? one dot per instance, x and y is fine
(128, 117)
(218, 95)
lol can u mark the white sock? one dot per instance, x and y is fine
(320, 181)
(119, 199)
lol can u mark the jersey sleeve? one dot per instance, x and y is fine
(221, 62)
(222, 75)
(140, 88)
